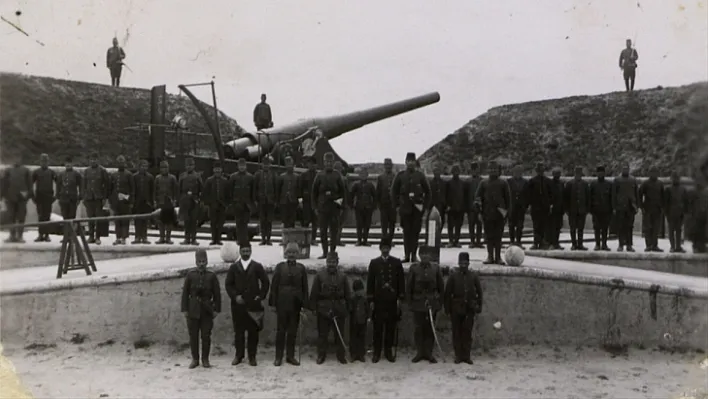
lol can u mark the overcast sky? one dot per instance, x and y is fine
(322, 57)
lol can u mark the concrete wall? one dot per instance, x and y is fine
(535, 307)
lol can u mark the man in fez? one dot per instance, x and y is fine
(410, 193)
(494, 199)
(462, 301)
(425, 290)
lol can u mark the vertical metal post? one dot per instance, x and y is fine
(216, 110)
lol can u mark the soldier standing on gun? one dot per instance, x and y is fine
(16, 191)
(331, 297)
(144, 183)
(363, 194)
(676, 206)
(577, 197)
(539, 198)
(385, 289)
(463, 301)
(437, 195)
(69, 189)
(651, 200)
(494, 199)
(344, 209)
(601, 208)
(411, 195)
(473, 212)
(216, 196)
(307, 179)
(264, 190)
(287, 194)
(97, 189)
(517, 213)
(624, 195)
(455, 202)
(425, 290)
(201, 303)
(384, 201)
(123, 193)
(288, 295)
(328, 192)
(166, 194)
(262, 116)
(242, 194)
(190, 190)
(44, 179)
(555, 223)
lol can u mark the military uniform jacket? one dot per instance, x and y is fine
(517, 188)
(201, 294)
(624, 194)
(307, 179)
(44, 180)
(97, 184)
(676, 201)
(463, 293)
(241, 190)
(331, 294)
(360, 310)
(216, 192)
(383, 189)
(577, 197)
(601, 197)
(248, 283)
(17, 184)
(166, 189)
(538, 193)
(385, 283)
(364, 195)
(328, 187)
(651, 196)
(123, 184)
(69, 185)
(425, 286)
(455, 194)
(410, 188)
(190, 186)
(264, 187)
(287, 188)
(288, 289)
(557, 193)
(471, 186)
(144, 188)
(494, 194)
(437, 193)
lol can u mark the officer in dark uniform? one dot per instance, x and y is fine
(555, 223)
(201, 303)
(385, 289)
(437, 194)
(410, 193)
(216, 196)
(242, 196)
(425, 291)
(601, 208)
(363, 195)
(331, 297)
(462, 302)
(494, 199)
(264, 190)
(455, 202)
(144, 183)
(517, 214)
(474, 219)
(624, 195)
(676, 207)
(44, 179)
(328, 193)
(287, 194)
(16, 191)
(97, 190)
(123, 193)
(307, 179)
(166, 194)
(651, 201)
(190, 190)
(383, 199)
(346, 202)
(539, 199)
(577, 197)
(69, 189)
(288, 295)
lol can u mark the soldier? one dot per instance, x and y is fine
(307, 179)
(216, 196)
(331, 297)
(328, 192)
(577, 204)
(555, 222)
(359, 320)
(425, 290)
(455, 202)
(97, 190)
(601, 208)
(437, 194)
(264, 190)
(201, 303)
(494, 199)
(69, 189)
(123, 193)
(517, 214)
(247, 285)
(190, 190)
(651, 200)
(144, 184)
(363, 194)
(385, 289)
(344, 209)
(44, 179)
(628, 64)
(242, 195)
(624, 196)
(676, 206)
(114, 62)
(288, 296)
(287, 194)
(462, 301)
(166, 194)
(411, 195)
(262, 116)
(474, 219)
(16, 191)
(538, 194)
(383, 200)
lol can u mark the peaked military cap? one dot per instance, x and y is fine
(463, 257)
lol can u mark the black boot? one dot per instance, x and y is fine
(490, 255)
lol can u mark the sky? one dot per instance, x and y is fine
(324, 57)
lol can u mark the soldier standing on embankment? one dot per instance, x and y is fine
(114, 62)
(628, 64)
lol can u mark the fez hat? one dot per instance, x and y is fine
(333, 256)
(388, 161)
(200, 254)
(241, 160)
(410, 156)
(455, 168)
(557, 169)
(244, 243)
(540, 166)
(600, 168)
(385, 242)
(463, 257)
(358, 285)
(292, 245)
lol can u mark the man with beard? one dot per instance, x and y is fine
(411, 195)
(473, 212)
(69, 189)
(123, 192)
(307, 179)
(144, 184)
(288, 296)
(462, 301)
(577, 197)
(44, 179)
(287, 194)
(363, 194)
(97, 189)
(455, 202)
(385, 289)
(166, 194)
(16, 191)
(555, 223)
(190, 189)
(328, 193)
(241, 190)
(344, 209)
(538, 194)
(383, 200)
(247, 285)
(201, 303)
(264, 189)
(437, 195)
(494, 199)
(425, 290)
(331, 297)
(676, 206)
(624, 195)
(651, 200)
(517, 215)
(216, 196)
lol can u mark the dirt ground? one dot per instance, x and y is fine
(115, 370)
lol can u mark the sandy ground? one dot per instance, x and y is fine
(120, 371)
